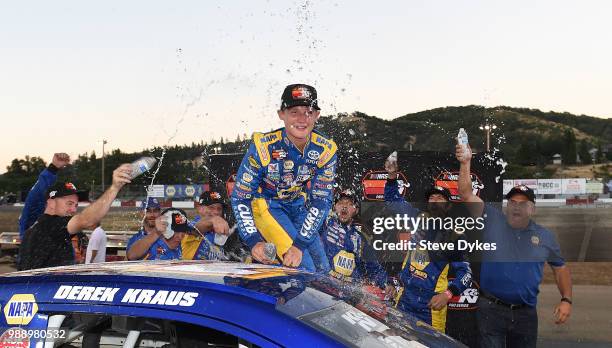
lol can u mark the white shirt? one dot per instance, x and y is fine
(97, 241)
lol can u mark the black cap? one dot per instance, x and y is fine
(523, 190)
(348, 194)
(179, 221)
(211, 197)
(63, 189)
(299, 95)
(438, 190)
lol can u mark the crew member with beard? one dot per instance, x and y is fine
(426, 289)
(140, 244)
(348, 251)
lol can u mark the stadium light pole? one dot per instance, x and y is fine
(488, 127)
(104, 142)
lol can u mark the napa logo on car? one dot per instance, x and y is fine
(20, 309)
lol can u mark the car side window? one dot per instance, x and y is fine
(93, 331)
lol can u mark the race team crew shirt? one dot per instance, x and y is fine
(271, 200)
(513, 271)
(425, 273)
(47, 244)
(201, 248)
(350, 254)
(36, 201)
(158, 250)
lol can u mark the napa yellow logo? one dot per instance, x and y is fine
(20, 309)
(344, 263)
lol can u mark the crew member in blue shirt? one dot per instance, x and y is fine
(510, 276)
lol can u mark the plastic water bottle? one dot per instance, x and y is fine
(220, 239)
(270, 251)
(393, 156)
(142, 165)
(462, 139)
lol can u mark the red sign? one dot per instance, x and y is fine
(373, 183)
(449, 180)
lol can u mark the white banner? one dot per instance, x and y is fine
(550, 186)
(508, 185)
(594, 187)
(531, 183)
(573, 186)
(157, 191)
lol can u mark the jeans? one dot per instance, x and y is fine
(502, 327)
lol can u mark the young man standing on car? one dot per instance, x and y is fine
(271, 200)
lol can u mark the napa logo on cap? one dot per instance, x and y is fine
(20, 309)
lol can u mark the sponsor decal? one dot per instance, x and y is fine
(324, 158)
(170, 191)
(279, 154)
(328, 172)
(320, 193)
(273, 168)
(449, 180)
(300, 93)
(288, 165)
(303, 178)
(243, 187)
(247, 218)
(466, 300)
(373, 184)
(246, 177)
(20, 309)
(535, 240)
(314, 155)
(344, 263)
(288, 178)
(253, 162)
(190, 190)
(313, 212)
(303, 169)
(131, 295)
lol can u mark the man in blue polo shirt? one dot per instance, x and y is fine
(510, 275)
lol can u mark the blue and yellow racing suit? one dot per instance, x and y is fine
(424, 272)
(271, 200)
(350, 255)
(158, 250)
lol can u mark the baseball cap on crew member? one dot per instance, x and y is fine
(523, 190)
(63, 189)
(348, 194)
(438, 190)
(150, 203)
(299, 95)
(211, 197)
(178, 221)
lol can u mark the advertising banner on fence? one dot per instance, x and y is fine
(573, 186)
(550, 186)
(594, 187)
(531, 183)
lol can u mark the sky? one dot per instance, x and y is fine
(149, 73)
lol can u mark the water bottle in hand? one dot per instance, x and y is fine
(462, 139)
(142, 165)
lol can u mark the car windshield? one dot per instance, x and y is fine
(356, 315)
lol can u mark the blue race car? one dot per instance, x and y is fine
(175, 304)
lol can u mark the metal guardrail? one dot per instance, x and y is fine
(115, 239)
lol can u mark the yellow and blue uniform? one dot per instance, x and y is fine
(350, 255)
(271, 199)
(424, 273)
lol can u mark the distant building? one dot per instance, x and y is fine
(557, 159)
